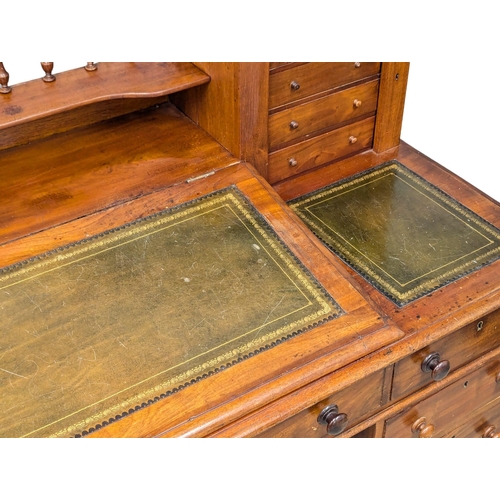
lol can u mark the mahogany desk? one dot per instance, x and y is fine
(96, 151)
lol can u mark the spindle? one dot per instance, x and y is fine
(4, 80)
(48, 67)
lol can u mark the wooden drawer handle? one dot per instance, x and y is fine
(423, 429)
(357, 103)
(295, 85)
(490, 432)
(335, 422)
(353, 139)
(294, 125)
(292, 162)
(439, 369)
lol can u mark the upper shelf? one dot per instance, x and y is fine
(76, 88)
(37, 109)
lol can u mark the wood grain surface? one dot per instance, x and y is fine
(322, 114)
(67, 176)
(314, 78)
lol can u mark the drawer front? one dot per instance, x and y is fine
(356, 401)
(321, 150)
(274, 65)
(485, 425)
(459, 348)
(449, 408)
(300, 121)
(313, 78)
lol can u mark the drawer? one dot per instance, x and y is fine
(449, 408)
(355, 401)
(274, 65)
(313, 78)
(486, 424)
(458, 348)
(329, 111)
(320, 150)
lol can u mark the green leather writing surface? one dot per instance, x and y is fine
(106, 325)
(402, 234)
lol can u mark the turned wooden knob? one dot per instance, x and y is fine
(423, 429)
(4, 80)
(357, 103)
(48, 67)
(335, 422)
(357, 64)
(439, 369)
(294, 125)
(292, 162)
(295, 85)
(490, 432)
(91, 66)
(353, 139)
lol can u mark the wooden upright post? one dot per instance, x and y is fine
(393, 81)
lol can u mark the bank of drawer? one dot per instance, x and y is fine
(329, 111)
(458, 348)
(446, 410)
(485, 425)
(355, 401)
(320, 150)
(313, 78)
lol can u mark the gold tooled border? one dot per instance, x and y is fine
(399, 297)
(288, 263)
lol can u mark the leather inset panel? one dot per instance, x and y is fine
(401, 233)
(94, 329)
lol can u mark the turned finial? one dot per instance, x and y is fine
(91, 66)
(4, 80)
(48, 67)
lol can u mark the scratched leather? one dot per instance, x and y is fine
(402, 234)
(92, 330)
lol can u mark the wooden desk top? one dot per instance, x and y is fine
(100, 196)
